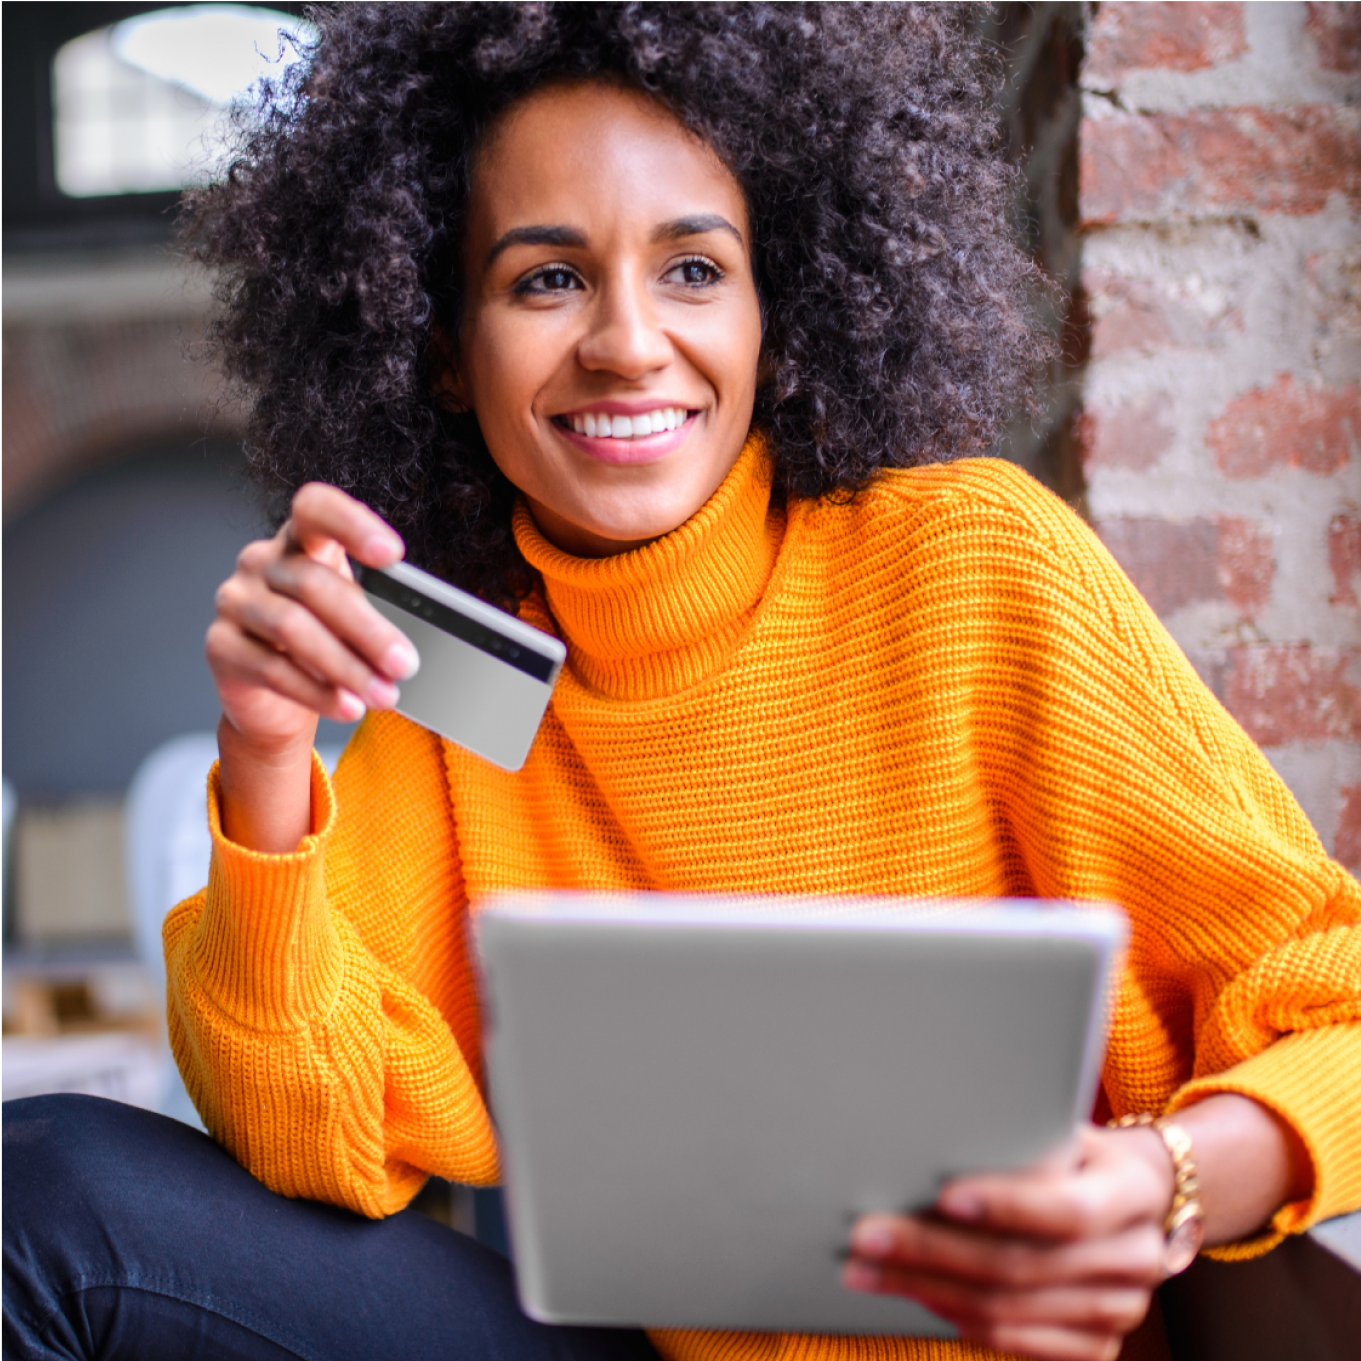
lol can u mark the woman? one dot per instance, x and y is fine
(659, 326)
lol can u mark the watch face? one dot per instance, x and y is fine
(1183, 1243)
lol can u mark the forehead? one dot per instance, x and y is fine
(593, 153)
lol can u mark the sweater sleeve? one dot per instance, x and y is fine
(321, 1007)
(1119, 777)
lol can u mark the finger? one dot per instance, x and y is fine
(289, 628)
(1049, 1343)
(1133, 1256)
(1058, 1324)
(322, 514)
(238, 659)
(1088, 1307)
(1116, 1186)
(345, 611)
(334, 598)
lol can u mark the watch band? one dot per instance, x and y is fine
(1184, 1227)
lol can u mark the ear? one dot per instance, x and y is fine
(446, 382)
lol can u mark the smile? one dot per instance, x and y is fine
(602, 425)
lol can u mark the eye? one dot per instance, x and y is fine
(548, 279)
(695, 272)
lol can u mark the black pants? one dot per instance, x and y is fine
(128, 1235)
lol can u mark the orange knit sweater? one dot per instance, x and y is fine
(943, 688)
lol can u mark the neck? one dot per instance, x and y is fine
(663, 617)
(576, 541)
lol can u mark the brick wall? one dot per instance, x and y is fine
(1220, 209)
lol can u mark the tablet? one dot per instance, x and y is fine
(696, 1097)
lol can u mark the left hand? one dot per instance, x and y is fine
(1058, 1262)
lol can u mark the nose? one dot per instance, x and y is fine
(625, 335)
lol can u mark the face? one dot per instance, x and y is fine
(611, 329)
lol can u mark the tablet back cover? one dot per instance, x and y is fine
(696, 1098)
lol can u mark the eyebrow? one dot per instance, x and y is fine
(681, 227)
(539, 235)
(544, 234)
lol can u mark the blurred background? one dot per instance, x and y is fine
(124, 507)
(1192, 179)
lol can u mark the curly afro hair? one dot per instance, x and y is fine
(898, 328)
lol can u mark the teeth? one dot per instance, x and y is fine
(603, 426)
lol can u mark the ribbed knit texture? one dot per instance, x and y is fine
(945, 687)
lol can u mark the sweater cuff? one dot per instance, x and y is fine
(266, 951)
(1311, 1079)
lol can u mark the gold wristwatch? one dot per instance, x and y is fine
(1184, 1227)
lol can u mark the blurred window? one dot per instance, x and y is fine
(136, 105)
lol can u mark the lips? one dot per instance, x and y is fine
(643, 435)
(600, 424)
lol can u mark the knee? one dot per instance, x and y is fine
(65, 1174)
(43, 1136)
(61, 1150)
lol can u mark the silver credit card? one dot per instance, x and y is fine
(485, 676)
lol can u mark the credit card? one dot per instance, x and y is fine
(485, 677)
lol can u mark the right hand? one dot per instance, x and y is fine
(295, 637)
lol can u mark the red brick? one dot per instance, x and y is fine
(1336, 31)
(1174, 564)
(1151, 167)
(1126, 436)
(1135, 316)
(1295, 694)
(1347, 838)
(1128, 315)
(1285, 426)
(1173, 37)
(1246, 563)
(1344, 557)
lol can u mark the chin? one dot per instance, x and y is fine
(635, 525)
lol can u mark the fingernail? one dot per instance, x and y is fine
(402, 661)
(382, 546)
(961, 1205)
(873, 1240)
(860, 1276)
(381, 694)
(351, 706)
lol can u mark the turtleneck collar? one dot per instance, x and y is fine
(663, 617)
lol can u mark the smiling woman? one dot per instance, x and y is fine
(862, 154)
(668, 328)
(611, 327)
